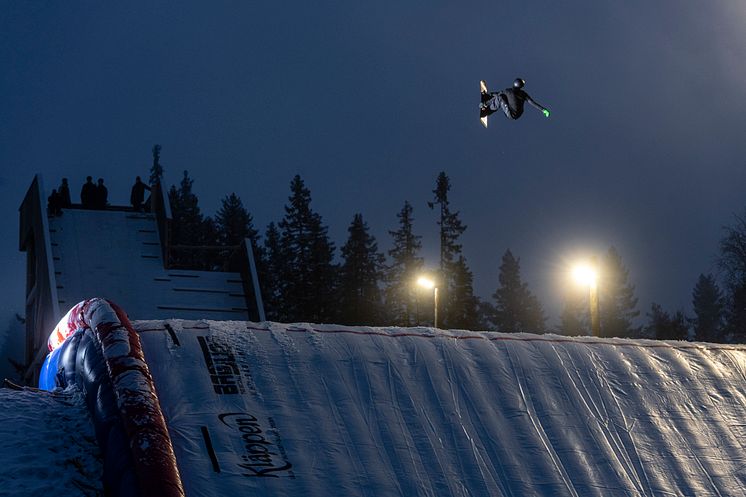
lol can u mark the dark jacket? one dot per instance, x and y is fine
(516, 98)
(88, 195)
(138, 193)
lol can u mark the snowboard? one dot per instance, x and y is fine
(484, 97)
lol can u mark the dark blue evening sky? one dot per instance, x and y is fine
(369, 101)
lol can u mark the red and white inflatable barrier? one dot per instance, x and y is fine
(144, 424)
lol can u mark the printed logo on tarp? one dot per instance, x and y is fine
(261, 458)
(222, 365)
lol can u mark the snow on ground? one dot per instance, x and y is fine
(47, 445)
(318, 410)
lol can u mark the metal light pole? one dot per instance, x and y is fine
(435, 303)
(593, 299)
(586, 274)
(429, 283)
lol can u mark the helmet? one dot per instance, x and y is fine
(518, 83)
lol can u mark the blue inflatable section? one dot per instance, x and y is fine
(79, 361)
(48, 374)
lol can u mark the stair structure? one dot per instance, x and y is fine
(118, 254)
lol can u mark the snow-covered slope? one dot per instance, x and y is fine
(47, 445)
(273, 410)
(117, 254)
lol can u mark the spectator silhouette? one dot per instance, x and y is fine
(101, 197)
(54, 207)
(88, 194)
(64, 192)
(137, 196)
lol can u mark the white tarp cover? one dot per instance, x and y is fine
(312, 410)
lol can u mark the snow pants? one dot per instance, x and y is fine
(493, 102)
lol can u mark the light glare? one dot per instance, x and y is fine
(425, 282)
(584, 275)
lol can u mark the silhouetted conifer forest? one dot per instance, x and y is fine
(305, 278)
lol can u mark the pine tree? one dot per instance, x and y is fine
(234, 223)
(732, 262)
(617, 299)
(401, 294)
(308, 280)
(486, 313)
(190, 227)
(271, 277)
(732, 259)
(208, 232)
(516, 308)
(360, 301)
(735, 313)
(450, 231)
(663, 326)
(187, 217)
(707, 301)
(463, 307)
(156, 170)
(574, 320)
(449, 223)
(658, 322)
(679, 326)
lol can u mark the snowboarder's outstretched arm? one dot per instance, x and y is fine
(536, 104)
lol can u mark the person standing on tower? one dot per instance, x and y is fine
(64, 193)
(102, 195)
(137, 196)
(88, 194)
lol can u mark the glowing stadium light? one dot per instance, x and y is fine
(426, 282)
(585, 275)
(429, 284)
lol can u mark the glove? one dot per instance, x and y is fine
(546, 112)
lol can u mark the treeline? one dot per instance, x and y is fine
(718, 301)
(303, 280)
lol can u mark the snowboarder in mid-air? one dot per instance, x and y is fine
(509, 100)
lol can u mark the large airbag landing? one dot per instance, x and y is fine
(274, 410)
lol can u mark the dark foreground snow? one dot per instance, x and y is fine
(47, 445)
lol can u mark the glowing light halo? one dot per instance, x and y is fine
(426, 282)
(585, 274)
